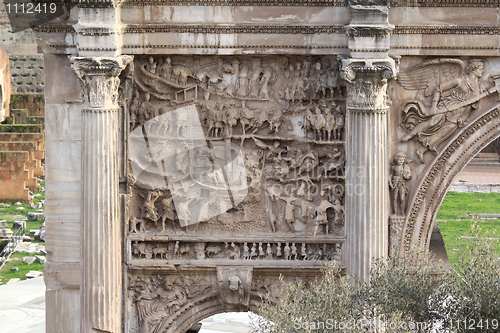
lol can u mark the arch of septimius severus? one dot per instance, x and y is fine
(196, 150)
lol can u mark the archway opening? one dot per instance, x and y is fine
(473, 197)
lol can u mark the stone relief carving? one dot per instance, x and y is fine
(267, 130)
(157, 298)
(182, 251)
(286, 115)
(400, 174)
(449, 91)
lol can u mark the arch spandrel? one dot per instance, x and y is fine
(444, 111)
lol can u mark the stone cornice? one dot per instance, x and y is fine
(96, 3)
(446, 3)
(312, 3)
(368, 31)
(276, 29)
(439, 29)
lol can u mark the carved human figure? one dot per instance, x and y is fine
(246, 251)
(166, 69)
(242, 82)
(254, 79)
(303, 251)
(278, 250)
(253, 251)
(269, 251)
(400, 174)
(146, 110)
(454, 87)
(319, 124)
(264, 82)
(262, 254)
(293, 252)
(168, 211)
(134, 110)
(339, 123)
(148, 207)
(150, 66)
(287, 252)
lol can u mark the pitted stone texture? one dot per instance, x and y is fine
(27, 74)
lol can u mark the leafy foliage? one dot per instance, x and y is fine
(413, 290)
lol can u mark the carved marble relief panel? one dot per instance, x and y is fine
(433, 101)
(234, 161)
(283, 115)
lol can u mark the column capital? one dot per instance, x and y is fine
(105, 66)
(367, 82)
(99, 79)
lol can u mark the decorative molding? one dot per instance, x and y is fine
(178, 46)
(310, 3)
(98, 49)
(446, 3)
(442, 47)
(54, 28)
(96, 32)
(440, 29)
(96, 3)
(235, 29)
(353, 30)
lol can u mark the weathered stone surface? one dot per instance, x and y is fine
(36, 216)
(33, 274)
(29, 260)
(18, 225)
(14, 269)
(3, 224)
(41, 259)
(36, 205)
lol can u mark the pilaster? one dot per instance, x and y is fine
(101, 249)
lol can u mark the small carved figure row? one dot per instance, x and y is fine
(180, 250)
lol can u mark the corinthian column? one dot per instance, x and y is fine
(367, 162)
(101, 250)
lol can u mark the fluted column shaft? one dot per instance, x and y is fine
(101, 250)
(367, 163)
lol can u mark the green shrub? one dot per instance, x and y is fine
(404, 294)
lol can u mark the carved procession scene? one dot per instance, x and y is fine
(226, 146)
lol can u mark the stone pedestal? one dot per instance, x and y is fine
(367, 156)
(101, 250)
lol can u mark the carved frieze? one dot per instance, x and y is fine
(252, 250)
(284, 117)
